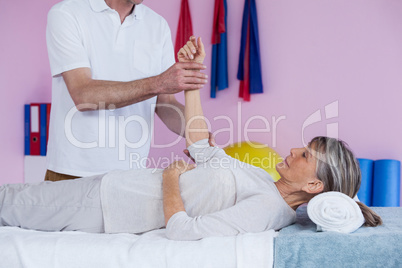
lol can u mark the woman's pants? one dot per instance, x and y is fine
(72, 205)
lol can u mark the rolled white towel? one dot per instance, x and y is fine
(335, 211)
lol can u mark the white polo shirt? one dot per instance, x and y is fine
(88, 33)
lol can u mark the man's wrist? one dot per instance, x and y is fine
(154, 85)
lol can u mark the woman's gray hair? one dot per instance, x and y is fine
(339, 170)
(337, 166)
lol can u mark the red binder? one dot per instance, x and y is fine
(35, 129)
(48, 120)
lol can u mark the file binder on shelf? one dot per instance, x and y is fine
(48, 106)
(35, 129)
(43, 128)
(27, 129)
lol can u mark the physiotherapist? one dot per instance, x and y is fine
(113, 67)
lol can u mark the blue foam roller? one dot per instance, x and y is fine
(365, 193)
(386, 183)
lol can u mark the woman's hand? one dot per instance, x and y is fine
(172, 201)
(192, 51)
(179, 167)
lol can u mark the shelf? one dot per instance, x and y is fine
(34, 168)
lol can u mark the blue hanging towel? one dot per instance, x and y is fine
(219, 62)
(255, 60)
(250, 29)
(223, 81)
(214, 64)
(243, 40)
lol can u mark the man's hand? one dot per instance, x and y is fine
(185, 74)
(181, 76)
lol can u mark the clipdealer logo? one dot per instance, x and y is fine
(331, 111)
(106, 136)
(111, 132)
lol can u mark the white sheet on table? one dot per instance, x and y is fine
(27, 248)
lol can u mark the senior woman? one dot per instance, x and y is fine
(219, 197)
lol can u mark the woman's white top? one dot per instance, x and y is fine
(222, 196)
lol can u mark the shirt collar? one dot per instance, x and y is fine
(98, 5)
(138, 11)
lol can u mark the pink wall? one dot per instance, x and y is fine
(24, 77)
(313, 53)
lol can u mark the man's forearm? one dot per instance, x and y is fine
(113, 94)
(171, 112)
(88, 93)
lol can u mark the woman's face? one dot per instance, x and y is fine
(299, 166)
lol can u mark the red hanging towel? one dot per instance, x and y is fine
(218, 26)
(184, 28)
(244, 91)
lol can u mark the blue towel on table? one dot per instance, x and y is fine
(299, 245)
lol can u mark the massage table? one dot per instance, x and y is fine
(298, 245)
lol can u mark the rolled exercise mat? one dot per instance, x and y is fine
(365, 193)
(386, 186)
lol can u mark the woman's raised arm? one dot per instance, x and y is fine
(196, 127)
